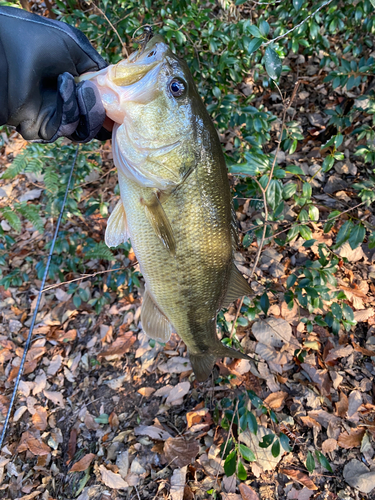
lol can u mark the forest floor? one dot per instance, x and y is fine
(102, 413)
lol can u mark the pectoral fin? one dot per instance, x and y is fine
(117, 227)
(160, 223)
(155, 324)
(238, 287)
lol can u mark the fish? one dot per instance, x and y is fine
(175, 203)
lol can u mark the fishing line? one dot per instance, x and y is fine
(28, 340)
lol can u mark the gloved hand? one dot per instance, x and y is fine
(39, 59)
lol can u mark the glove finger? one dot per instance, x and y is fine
(91, 111)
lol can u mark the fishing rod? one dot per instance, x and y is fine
(41, 290)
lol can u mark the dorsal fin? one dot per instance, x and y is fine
(154, 323)
(238, 287)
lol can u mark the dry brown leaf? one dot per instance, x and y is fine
(339, 352)
(55, 365)
(61, 336)
(248, 493)
(352, 440)
(364, 315)
(311, 422)
(178, 481)
(55, 397)
(4, 404)
(72, 444)
(329, 445)
(177, 393)
(30, 496)
(146, 391)
(276, 400)
(300, 477)
(152, 432)
(120, 346)
(35, 353)
(111, 479)
(40, 383)
(37, 447)
(363, 350)
(354, 402)
(180, 451)
(195, 417)
(39, 418)
(84, 463)
(342, 406)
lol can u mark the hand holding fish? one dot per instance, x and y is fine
(39, 59)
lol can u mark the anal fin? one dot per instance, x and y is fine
(117, 227)
(159, 221)
(238, 287)
(155, 324)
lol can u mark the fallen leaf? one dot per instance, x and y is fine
(62, 336)
(146, 391)
(352, 440)
(180, 451)
(178, 481)
(55, 365)
(19, 412)
(229, 484)
(342, 405)
(72, 444)
(276, 400)
(111, 479)
(264, 457)
(329, 445)
(4, 404)
(300, 477)
(195, 417)
(163, 391)
(248, 493)
(364, 315)
(120, 346)
(122, 462)
(339, 352)
(39, 418)
(40, 382)
(37, 447)
(363, 350)
(311, 422)
(273, 332)
(177, 364)
(152, 432)
(55, 397)
(84, 463)
(357, 475)
(355, 401)
(177, 393)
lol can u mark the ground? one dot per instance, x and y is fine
(102, 413)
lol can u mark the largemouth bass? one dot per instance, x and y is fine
(175, 200)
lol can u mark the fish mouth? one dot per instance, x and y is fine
(133, 69)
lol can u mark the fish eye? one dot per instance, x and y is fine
(177, 87)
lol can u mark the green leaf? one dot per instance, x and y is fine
(252, 422)
(305, 232)
(264, 28)
(313, 213)
(284, 440)
(348, 312)
(230, 463)
(357, 236)
(12, 218)
(309, 243)
(102, 419)
(306, 190)
(323, 461)
(297, 4)
(294, 169)
(310, 462)
(336, 311)
(289, 190)
(267, 440)
(254, 45)
(254, 30)
(371, 240)
(241, 471)
(272, 63)
(264, 303)
(291, 280)
(275, 450)
(344, 233)
(274, 193)
(246, 453)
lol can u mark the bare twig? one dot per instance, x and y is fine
(297, 25)
(86, 276)
(123, 44)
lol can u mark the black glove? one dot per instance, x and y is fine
(39, 59)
